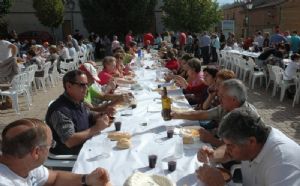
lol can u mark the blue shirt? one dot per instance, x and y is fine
(204, 41)
(277, 38)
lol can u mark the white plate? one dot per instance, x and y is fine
(142, 179)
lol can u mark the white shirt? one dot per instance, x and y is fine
(291, 71)
(64, 53)
(260, 40)
(36, 177)
(115, 44)
(5, 52)
(277, 164)
(72, 52)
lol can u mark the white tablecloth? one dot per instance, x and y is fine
(244, 53)
(146, 140)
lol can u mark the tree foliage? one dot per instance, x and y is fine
(109, 17)
(4, 7)
(190, 15)
(49, 12)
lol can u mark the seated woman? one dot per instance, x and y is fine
(32, 58)
(171, 62)
(182, 71)
(194, 87)
(122, 69)
(53, 57)
(106, 75)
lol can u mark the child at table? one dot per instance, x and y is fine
(106, 75)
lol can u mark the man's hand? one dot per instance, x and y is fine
(206, 136)
(98, 177)
(102, 122)
(205, 153)
(210, 176)
(110, 111)
(175, 115)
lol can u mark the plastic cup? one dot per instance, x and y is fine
(152, 160)
(118, 125)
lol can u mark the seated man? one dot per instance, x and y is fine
(233, 95)
(25, 147)
(268, 156)
(70, 121)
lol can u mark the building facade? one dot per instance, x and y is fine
(22, 18)
(264, 15)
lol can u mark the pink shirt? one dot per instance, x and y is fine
(198, 80)
(104, 77)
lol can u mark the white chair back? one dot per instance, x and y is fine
(19, 83)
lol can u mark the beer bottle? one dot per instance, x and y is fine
(166, 105)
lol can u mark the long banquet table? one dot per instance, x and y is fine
(148, 131)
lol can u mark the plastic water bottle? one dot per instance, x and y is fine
(178, 152)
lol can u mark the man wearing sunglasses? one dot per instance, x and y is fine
(70, 121)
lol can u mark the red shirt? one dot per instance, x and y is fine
(149, 37)
(182, 39)
(172, 64)
(104, 77)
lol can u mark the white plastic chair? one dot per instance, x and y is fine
(45, 78)
(297, 93)
(279, 82)
(255, 74)
(62, 162)
(271, 75)
(54, 75)
(18, 87)
(30, 70)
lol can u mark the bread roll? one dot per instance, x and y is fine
(124, 143)
(116, 136)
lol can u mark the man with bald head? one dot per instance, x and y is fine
(25, 147)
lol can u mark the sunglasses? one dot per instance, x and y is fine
(81, 85)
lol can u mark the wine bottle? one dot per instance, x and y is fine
(166, 105)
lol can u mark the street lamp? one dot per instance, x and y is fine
(249, 6)
(71, 6)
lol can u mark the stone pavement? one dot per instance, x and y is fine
(278, 114)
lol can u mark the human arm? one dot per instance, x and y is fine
(218, 155)
(208, 137)
(206, 104)
(64, 127)
(191, 115)
(99, 177)
(14, 50)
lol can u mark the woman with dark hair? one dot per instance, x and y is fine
(193, 87)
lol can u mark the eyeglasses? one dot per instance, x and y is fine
(51, 146)
(82, 85)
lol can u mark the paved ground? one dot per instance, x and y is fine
(278, 114)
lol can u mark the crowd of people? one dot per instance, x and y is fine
(229, 122)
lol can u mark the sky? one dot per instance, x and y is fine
(225, 1)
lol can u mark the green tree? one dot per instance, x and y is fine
(190, 15)
(49, 12)
(4, 8)
(117, 16)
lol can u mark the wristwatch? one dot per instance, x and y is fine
(83, 180)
